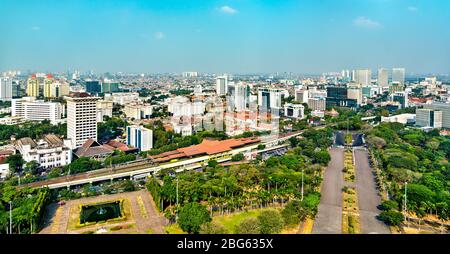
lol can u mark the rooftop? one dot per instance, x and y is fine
(208, 147)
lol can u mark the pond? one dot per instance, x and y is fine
(100, 212)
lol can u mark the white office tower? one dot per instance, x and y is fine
(383, 77)
(294, 111)
(198, 90)
(429, 118)
(240, 96)
(363, 77)
(445, 108)
(271, 98)
(221, 85)
(190, 74)
(81, 118)
(140, 137)
(302, 95)
(398, 76)
(5, 89)
(37, 110)
(355, 92)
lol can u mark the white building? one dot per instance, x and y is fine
(294, 110)
(429, 118)
(221, 85)
(48, 152)
(237, 96)
(122, 98)
(140, 137)
(363, 77)
(190, 74)
(398, 75)
(317, 103)
(104, 108)
(81, 118)
(383, 77)
(403, 119)
(302, 95)
(138, 110)
(271, 98)
(445, 108)
(5, 89)
(37, 110)
(198, 90)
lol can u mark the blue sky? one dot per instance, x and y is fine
(310, 36)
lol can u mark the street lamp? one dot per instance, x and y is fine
(404, 208)
(302, 185)
(10, 217)
(177, 201)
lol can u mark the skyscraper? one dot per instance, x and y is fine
(33, 86)
(93, 87)
(81, 118)
(5, 89)
(383, 77)
(398, 75)
(363, 77)
(221, 85)
(48, 86)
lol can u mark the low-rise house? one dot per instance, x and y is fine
(94, 150)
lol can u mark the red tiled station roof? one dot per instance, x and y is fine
(208, 147)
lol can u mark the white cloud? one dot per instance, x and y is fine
(35, 28)
(413, 9)
(159, 35)
(366, 22)
(227, 9)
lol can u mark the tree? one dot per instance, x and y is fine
(213, 227)
(192, 216)
(212, 163)
(237, 157)
(248, 226)
(322, 157)
(15, 162)
(391, 217)
(32, 167)
(388, 205)
(293, 141)
(270, 222)
(293, 212)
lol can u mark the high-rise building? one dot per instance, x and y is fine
(104, 108)
(338, 96)
(16, 91)
(398, 75)
(301, 95)
(81, 118)
(140, 137)
(363, 77)
(270, 98)
(222, 85)
(383, 77)
(93, 87)
(48, 86)
(5, 89)
(109, 87)
(240, 96)
(402, 98)
(37, 110)
(445, 108)
(429, 118)
(317, 103)
(33, 86)
(190, 74)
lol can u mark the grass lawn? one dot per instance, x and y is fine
(232, 220)
(174, 229)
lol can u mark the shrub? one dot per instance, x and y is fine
(248, 226)
(392, 218)
(270, 222)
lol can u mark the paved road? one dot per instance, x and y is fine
(368, 197)
(329, 217)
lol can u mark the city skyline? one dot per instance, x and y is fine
(307, 37)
